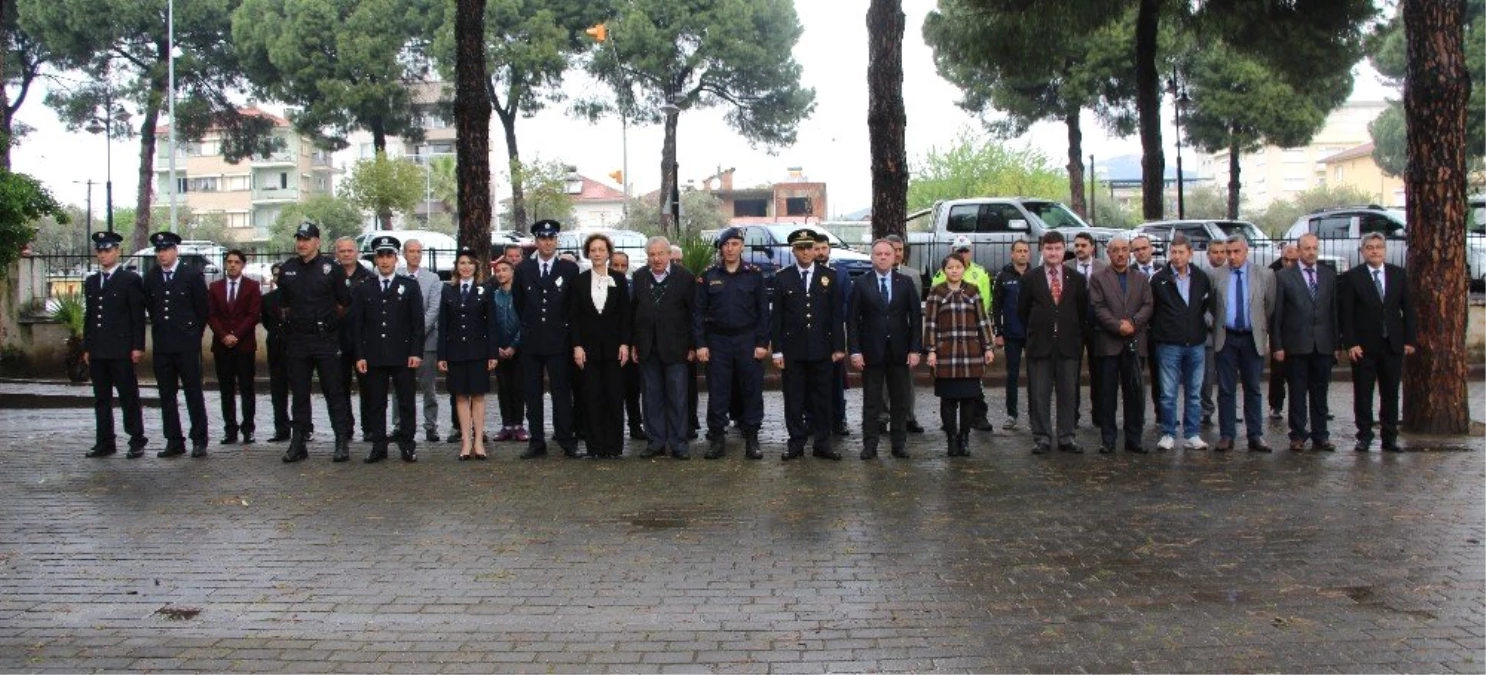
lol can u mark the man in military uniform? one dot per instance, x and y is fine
(731, 328)
(113, 342)
(540, 295)
(354, 274)
(386, 327)
(809, 341)
(315, 295)
(175, 296)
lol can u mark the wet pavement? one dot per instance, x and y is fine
(1178, 561)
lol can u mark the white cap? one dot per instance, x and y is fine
(961, 241)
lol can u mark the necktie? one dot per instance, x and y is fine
(386, 284)
(1240, 308)
(1310, 273)
(544, 270)
(168, 275)
(882, 286)
(464, 292)
(806, 277)
(1377, 281)
(105, 279)
(1084, 269)
(1056, 281)
(231, 292)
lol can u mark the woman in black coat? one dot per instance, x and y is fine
(600, 318)
(467, 349)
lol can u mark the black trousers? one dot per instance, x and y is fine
(1383, 371)
(347, 371)
(808, 386)
(556, 368)
(1096, 381)
(956, 415)
(235, 373)
(109, 375)
(1120, 380)
(508, 390)
(308, 355)
(278, 387)
(898, 382)
(633, 383)
(175, 372)
(603, 391)
(1309, 376)
(404, 381)
(1277, 382)
(1154, 366)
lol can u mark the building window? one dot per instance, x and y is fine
(236, 184)
(1337, 174)
(799, 206)
(750, 208)
(208, 184)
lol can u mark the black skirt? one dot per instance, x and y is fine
(468, 378)
(947, 387)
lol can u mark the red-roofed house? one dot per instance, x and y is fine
(595, 204)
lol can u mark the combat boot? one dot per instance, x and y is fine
(296, 450)
(342, 450)
(750, 444)
(716, 445)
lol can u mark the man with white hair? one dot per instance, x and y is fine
(431, 288)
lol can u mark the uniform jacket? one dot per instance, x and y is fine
(1004, 319)
(359, 274)
(387, 327)
(659, 311)
(808, 324)
(178, 310)
(1110, 305)
(543, 304)
(1302, 324)
(957, 330)
(114, 321)
(1362, 315)
(313, 294)
(273, 319)
(468, 326)
(1177, 321)
(432, 289)
(600, 333)
(1053, 329)
(239, 318)
(731, 303)
(1259, 292)
(884, 332)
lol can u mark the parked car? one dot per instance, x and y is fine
(1262, 249)
(439, 249)
(627, 241)
(205, 256)
(1341, 231)
(1475, 253)
(767, 247)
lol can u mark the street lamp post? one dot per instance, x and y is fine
(1180, 100)
(671, 110)
(112, 114)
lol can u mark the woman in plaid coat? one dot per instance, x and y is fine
(957, 335)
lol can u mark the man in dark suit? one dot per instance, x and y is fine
(1120, 299)
(386, 321)
(1377, 327)
(540, 295)
(619, 266)
(1054, 307)
(1144, 254)
(885, 331)
(1304, 337)
(663, 299)
(1086, 261)
(175, 295)
(808, 342)
(1289, 257)
(113, 343)
(236, 303)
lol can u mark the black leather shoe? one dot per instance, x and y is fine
(841, 430)
(172, 449)
(198, 452)
(409, 454)
(101, 450)
(792, 453)
(751, 449)
(1137, 449)
(1259, 446)
(1362, 446)
(1324, 446)
(982, 424)
(649, 453)
(452, 438)
(914, 427)
(247, 438)
(869, 452)
(571, 452)
(278, 437)
(229, 439)
(135, 453)
(1040, 449)
(716, 447)
(1071, 448)
(431, 436)
(826, 454)
(343, 450)
(534, 451)
(378, 453)
(902, 453)
(296, 450)
(1392, 447)
(1106, 449)
(637, 435)
(681, 455)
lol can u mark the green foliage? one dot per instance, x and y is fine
(383, 185)
(336, 218)
(1109, 212)
(1238, 101)
(1202, 202)
(345, 65)
(443, 179)
(54, 237)
(441, 222)
(976, 166)
(700, 212)
(71, 312)
(697, 254)
(546, 192)
(23, 200)
(1281, 214)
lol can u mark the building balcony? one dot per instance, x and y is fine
(275, 195)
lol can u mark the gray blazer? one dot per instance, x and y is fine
(1260, 295)
(432, 289)
(1099, 264)
(1302, 325)
(1110, 306)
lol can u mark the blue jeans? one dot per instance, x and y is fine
(1181, 368)
(1240, 363)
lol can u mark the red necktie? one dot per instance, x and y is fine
(1055, 279)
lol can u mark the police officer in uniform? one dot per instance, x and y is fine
(315, 295)
(731, 327)
(386, 327)
(809, 340)
(113, 342)
(540, 296)
(175, 296)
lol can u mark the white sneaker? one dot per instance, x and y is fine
(1166, 443)
(1195, 443)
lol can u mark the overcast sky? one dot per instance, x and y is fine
(832, 145)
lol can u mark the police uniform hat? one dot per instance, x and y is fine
(307, 230)
(164, 240)
(802, 237)
(102, 241)
(726, 234)
(545, 228)
(386, 243)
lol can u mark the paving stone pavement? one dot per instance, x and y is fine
(1179, 561)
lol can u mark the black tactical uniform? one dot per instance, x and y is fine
(732, 320)
(314, 295)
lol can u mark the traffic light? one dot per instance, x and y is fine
(599, 32)
(618, 177)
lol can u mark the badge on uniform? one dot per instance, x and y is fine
(325, 268)
(400, 289)
(558, 283)
(479, 290)
(716, 282)
(825, 281)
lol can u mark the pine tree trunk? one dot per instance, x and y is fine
(379, 146)
(1233, 182)
(1148, 106)
(1435, 100)
(143, 202)
(472, 129)
(668, 178)
(886, 117)
(1076, 197)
